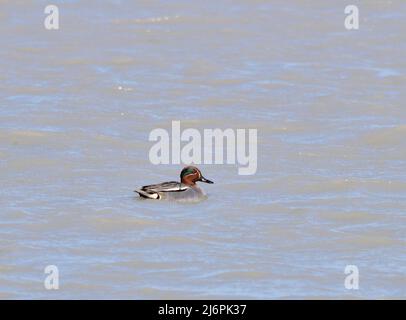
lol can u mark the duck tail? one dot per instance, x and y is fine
(147, 195)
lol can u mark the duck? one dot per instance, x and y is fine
(186, 189)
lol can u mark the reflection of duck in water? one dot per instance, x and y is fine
(186, 189)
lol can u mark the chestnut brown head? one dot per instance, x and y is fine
(190, 175)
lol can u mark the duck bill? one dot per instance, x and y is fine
(203, 179)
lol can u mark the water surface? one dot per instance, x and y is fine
(77, 106)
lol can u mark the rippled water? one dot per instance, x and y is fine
(78, 104)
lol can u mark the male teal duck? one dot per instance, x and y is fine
(186, 189)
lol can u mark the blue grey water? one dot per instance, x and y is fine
(77, 106)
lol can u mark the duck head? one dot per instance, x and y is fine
(190, 175)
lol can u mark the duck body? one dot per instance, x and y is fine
(171, 190)
(186, 190)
